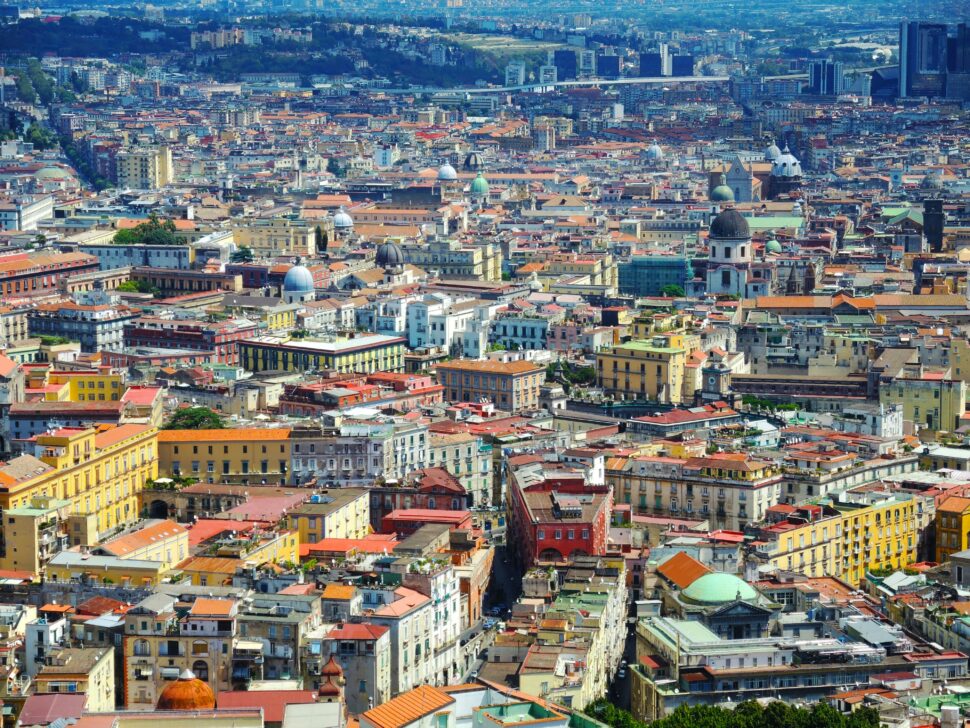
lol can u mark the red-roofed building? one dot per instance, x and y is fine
(406, 521)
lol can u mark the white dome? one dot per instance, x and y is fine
(654, 151)
(447, 173)
(786, 165)
(342, 221)
(298, 280)
(772, 152)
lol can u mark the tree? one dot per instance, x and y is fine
(151, 232)
(672, 291)
(40, 137)
(195, 418)
(320, 238)
(242, 254)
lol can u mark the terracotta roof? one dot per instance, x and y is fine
(492, 367)
(408, 707)
(682, 570)
(212, 607)
(339, 591)
(226, 435)
(130, 542)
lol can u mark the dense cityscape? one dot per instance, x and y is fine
(485, 365)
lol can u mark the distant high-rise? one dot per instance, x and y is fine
(653, 63)
(958, 64)
(564, 60)
(587, 63)
(515, 74)
(608, 66)
(922, 58)
(826, 77)
(682, 65)
(548, 74)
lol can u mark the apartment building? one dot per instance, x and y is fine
(88, 671)
(510, 386)
(246, 455)
(159, 645)
(728, 489)
(144, 169)
(338, 513)
(644, 369)
(363, 651)
(272, 237)
(363, 354)
(100, 471)
(454, 260)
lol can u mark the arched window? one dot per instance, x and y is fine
(142, 648)
(201, 670)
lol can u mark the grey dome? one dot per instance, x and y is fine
(447, 173)
(786, 165)
(655, 152)
(474, 162)
(342, 221)
(730, 225)
(772, 152)
(298, 279)
(389, 255)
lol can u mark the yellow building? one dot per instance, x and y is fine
(166, 542)
(511, 386)
(76, 386)
(144, 169)
(644, 369)
(33, 534)
(100, 471)
(861, 532)
(879, 531)
(88, 671)
(240, 455)
(812, 546)
(931, 401)
(364, 354)
(338, 513)
(271, 237)
(952, 527)
(74, 566)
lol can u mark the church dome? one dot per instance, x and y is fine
(479, 186)
(786, 165)
(474, 162)
(773, 247)
(186, 693)
(447, 173)
(654, 152)
(342, 221)
(932, 181)
(717, 588)
(298, 279)
(722, 193)
(332, 669)
(730, 224)
(389, 255)
(772, 152)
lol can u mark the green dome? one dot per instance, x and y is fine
(773, 246)
(722, 193)
(717, 588)
(480, 186)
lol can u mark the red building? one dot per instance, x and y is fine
(23, 275)
(554, 515)
(405, 522)
(431, 489)
(221, 338)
